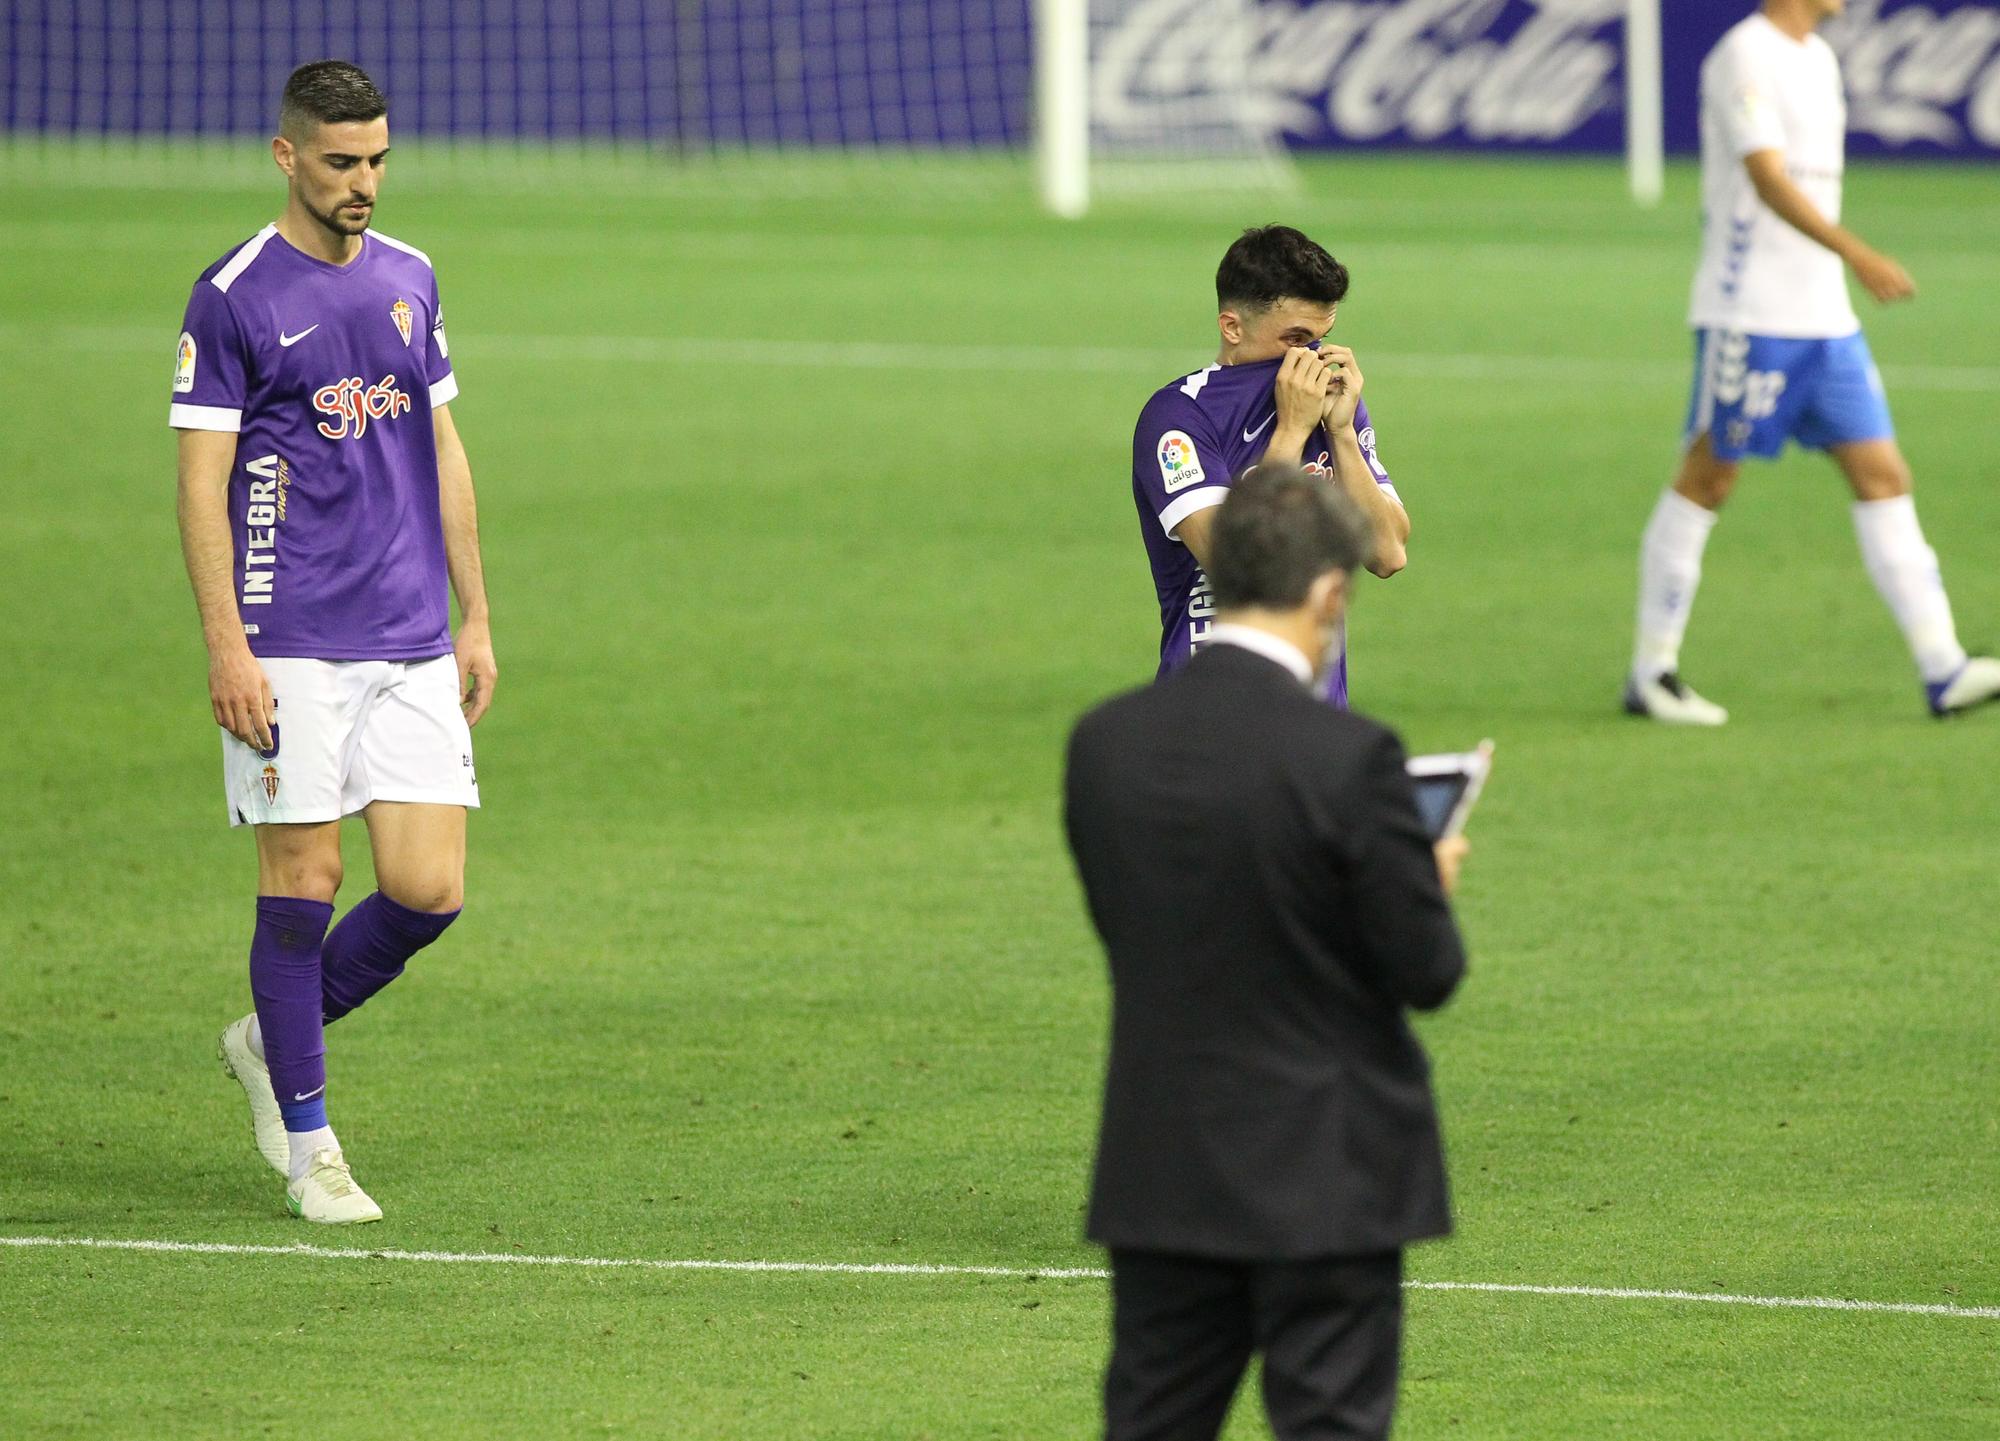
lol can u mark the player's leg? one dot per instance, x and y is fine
(1669, 575)
(1906, 574)
(420, 874)
(1670, 551)
(1848, 417)
(417, 754)
(294, 795)
(299, 872)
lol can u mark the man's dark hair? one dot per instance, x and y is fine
(1269, 263)
(1279, 530)
(328, 92)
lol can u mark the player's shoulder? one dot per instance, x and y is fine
(401, 252)
(236, 261)
(1184, 391)
(1747, 41)
(1169, 409)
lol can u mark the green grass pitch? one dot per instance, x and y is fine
(772, 951)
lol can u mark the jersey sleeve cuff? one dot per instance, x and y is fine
(1187, 505)
(444, 392)
(205, 417)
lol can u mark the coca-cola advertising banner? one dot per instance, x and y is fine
(1922, 78)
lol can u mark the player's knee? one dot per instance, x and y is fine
(436, 894)
(1882, 479)
(312, 878)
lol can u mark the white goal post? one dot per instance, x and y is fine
(1645, 122)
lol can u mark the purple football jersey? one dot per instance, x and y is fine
(1194, 436)
(328, 374)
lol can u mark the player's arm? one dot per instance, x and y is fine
(1879, 275)
(1194, 533)
(1386, 516)
(1179, 471)
(473, 645)
(238, 690)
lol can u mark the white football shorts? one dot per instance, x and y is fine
(350, 732)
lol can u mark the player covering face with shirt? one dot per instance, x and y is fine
(1780, 356)
(325, 501)
(1276, 391)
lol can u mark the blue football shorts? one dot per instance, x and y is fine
(1752, 393)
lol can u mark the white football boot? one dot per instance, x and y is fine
(327, 1193)
(232, 1048)
(1977, 682)
(1672, 700)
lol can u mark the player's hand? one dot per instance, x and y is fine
(240, 694)
(477, 670)
(1343, 388)
(1881, 276)
(1300, 393)
(1450, 856)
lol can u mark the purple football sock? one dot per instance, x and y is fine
(284, 980)
(368, 948)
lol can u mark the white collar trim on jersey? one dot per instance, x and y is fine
(1265, 644)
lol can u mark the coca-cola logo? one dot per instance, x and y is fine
(1915, 73)
(1360, 70)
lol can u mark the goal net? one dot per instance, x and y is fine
(831, 94)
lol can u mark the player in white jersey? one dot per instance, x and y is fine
(1780, 356)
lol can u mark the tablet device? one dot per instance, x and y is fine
(1447, 786)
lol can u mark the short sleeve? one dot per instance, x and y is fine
(1177, 466)
(1364, 433)
(210, 366)
(437, 367)
(1743, 102)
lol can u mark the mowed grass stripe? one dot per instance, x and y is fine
(906, 1268)
(930, 356)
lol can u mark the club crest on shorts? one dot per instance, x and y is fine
(400, 313)
(270, 779)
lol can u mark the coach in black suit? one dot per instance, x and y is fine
(1271, 906)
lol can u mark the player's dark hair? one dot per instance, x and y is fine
(1279, 530)
(328, 92)
(1269, 263)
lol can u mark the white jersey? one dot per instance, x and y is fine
(1763, 90)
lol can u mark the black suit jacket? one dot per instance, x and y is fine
(1270, 905)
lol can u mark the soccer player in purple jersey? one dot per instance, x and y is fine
(325, 500)
(1276, 391)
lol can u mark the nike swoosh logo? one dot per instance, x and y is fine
(284, 339)
(307, 1096)
(1250, 435)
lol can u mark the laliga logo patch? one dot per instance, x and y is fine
(1180, 467)
(400, 313)
(184, 364)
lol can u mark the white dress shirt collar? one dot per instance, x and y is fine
(1265, 644)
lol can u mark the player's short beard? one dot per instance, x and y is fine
(332, 220)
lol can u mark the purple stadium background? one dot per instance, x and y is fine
(1923, 78)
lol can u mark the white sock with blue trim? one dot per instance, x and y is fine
(1669, 574)
(1905, 571)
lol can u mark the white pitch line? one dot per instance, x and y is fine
(898, 1268)
(932, 356)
